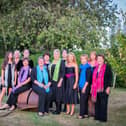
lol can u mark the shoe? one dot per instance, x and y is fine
(6, 106)
(46, 113)
(12, 108)
(80, 117)
(71, 114)
(67, 113)
(40, 114)
(86, 116)
(56, 113)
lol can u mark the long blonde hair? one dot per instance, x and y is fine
(74, 57)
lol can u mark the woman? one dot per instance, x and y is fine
(26, 54)
(64, 58)
(93, 60)
(41, 85)
(93, 63)
(17, 61)
(46, 57)
(71, 73)
(64, 55)
(102, 78)
(84, 85)
(8, 75)
(22, 86)
(57, 74)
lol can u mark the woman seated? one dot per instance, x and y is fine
(41, 86)
(23, 85)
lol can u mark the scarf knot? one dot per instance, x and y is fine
(42, 76)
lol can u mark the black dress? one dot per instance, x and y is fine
(19, 65)
(9, 76)
(71, 95)
(57, 91)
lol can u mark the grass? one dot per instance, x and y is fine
(116, 115)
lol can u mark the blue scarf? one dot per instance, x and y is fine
(42, 76)
(82, 78)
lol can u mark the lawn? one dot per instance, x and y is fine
(117, 115)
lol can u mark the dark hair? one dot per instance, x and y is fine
(25, 59)
(46, 53)
(65, 50)
(6, 59)
(101, 55)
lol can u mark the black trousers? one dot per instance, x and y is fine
(44, 98)
(101, 107)
(12, 100)
(84, 102)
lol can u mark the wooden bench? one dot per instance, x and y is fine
(28, 100)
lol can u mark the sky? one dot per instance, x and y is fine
(121, 4)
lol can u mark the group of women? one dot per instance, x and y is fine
(60, 82)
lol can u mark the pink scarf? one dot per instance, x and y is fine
(97, 82)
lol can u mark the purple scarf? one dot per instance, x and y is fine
(23, 74)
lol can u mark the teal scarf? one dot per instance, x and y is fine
(82, 78)
(42, 76)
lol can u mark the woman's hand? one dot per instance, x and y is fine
(75, 86)
(46, 86)
(18, 86)
(108, 90)
(59, 84)
(83, 90)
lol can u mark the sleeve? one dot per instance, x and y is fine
(62, 70)
(19, 65)
(31, 64)
(108, 76)
(88, 76)
(33, 75)
(49, 75)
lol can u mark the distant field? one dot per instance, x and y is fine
(117, 115)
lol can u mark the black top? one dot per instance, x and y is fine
(9, 76)
(89, 76)
(61, 70)
(31, 64)
(47, 66)
(107, 77)
(69, 70)
(34, 74)
(19, 65)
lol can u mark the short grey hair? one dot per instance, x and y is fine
(56, 50)
(40, 57)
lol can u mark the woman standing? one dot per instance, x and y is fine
(57, 74)
(84, 85)
(41, 85)
(93, 63)
(71, 73)
(8, 75)
(17, 61)
(102, 78)
(26, 54)
(22, 86)
(64, 58)
(46, 57)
